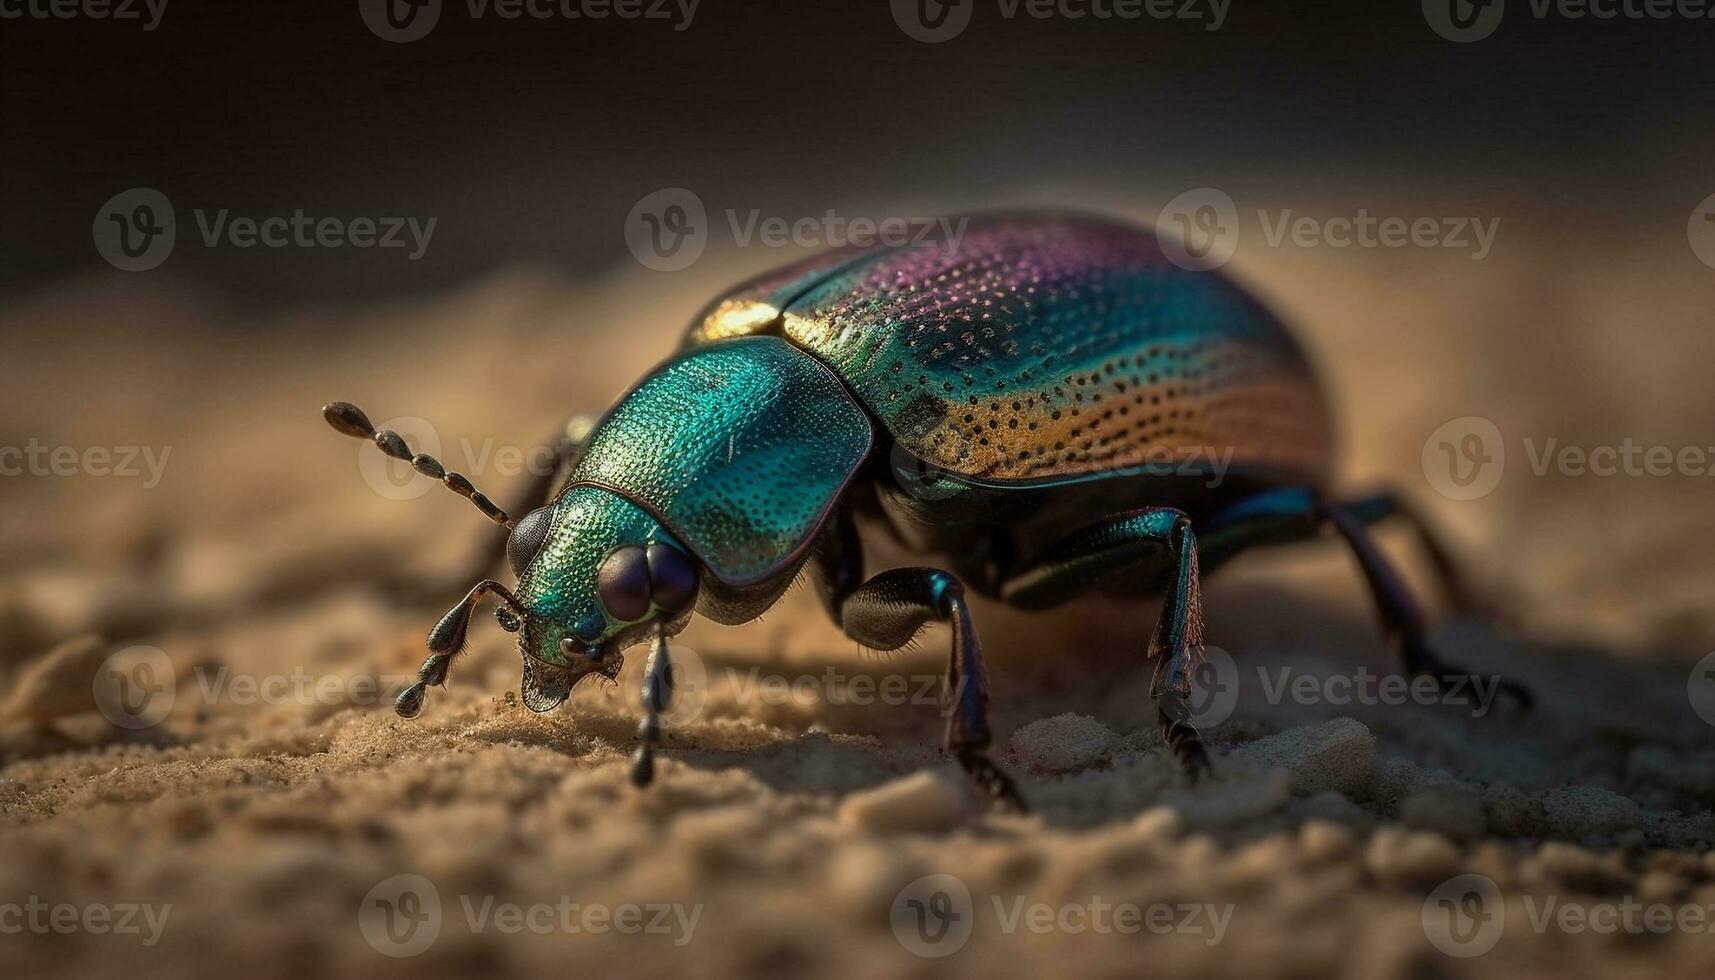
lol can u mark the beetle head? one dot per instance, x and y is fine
(596, 574)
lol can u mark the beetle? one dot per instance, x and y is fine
(1049, 405)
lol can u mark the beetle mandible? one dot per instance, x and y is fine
(1052, 407)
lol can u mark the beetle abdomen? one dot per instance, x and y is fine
(1041, 348)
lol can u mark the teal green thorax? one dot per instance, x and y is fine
(740, 449)
(734, 453)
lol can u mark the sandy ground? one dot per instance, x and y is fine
(263, 600)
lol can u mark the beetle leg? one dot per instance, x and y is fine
(837, 565)
(657, 695)
(887, 611)
(1095, 552)
(1454, 586)
(445, 642)
(1401, 614)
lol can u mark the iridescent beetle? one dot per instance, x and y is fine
(1048, 404)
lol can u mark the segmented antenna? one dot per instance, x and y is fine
(349, 419)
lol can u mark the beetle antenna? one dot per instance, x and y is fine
(349, 419)
(445, 642)
(657, 695)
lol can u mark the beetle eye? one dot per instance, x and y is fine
(527, 537)
(623, 583)
(507, 618)
(672, 578)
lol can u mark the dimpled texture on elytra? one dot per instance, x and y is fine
(1037, 348)
(741, 448)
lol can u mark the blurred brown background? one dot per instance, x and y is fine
(528, 142)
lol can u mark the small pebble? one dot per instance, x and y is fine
(922, 801)
(1063, 743)
(1445, 810)
(1336, 754)
(1583, 811)
(1401, 857)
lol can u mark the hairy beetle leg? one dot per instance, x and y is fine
(1457, 681)
(1403, 617)
(1159, 537)
(887, 611)
(1187, 747)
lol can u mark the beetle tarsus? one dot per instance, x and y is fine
(994, 783)
(657, 695)
(409, 704)
(643, 766)
(1459, 682)
(1187, 747)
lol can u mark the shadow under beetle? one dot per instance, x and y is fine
(1052, 406)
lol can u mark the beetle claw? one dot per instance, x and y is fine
(409, 704)
(643, 766)
(992, 781)
(1187, 746)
